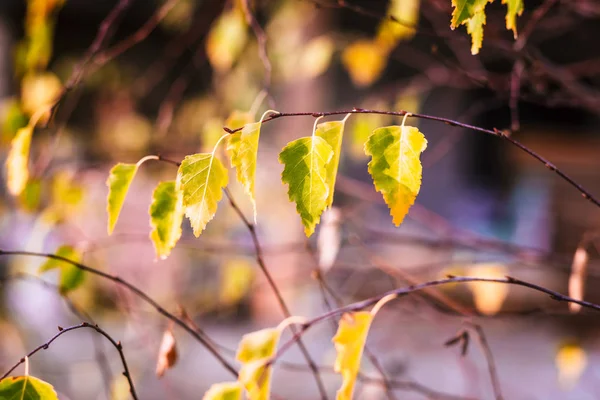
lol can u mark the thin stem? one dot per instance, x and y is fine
(62, 331)
(489, 356)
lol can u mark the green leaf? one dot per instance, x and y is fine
(17, 168)
(118, 183)
(224, 391)
(396, 166)
(166, 215)
(472, 14)
(332, 132)
(515, 7)
(26, 388)
(201, 177)
(305, 171)
(71, 277)
(242, 148)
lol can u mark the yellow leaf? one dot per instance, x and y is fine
(349, 343)
(515, 7)
(362, 126)
(332, 132)
(577, 277)
(166, 215)
(472, 14)
(406, 13)
(488, 296)
(167, 354)
(254, 350)
(396, 166)
(316, 57)
(237, 119)
(226, 40)
(224, 391)
(571, 361)
(365, 61)
(236, 279)
(118, 182)
(17, 163)
(39, 91)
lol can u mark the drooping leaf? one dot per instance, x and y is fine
(166, 215)
(365, 61)
(167, 354)
(396, 166)
(349, 343)
(26, 388)
(254, 350)
(71, 277)
(17, 163)
(118, 182)
(242, 148)
(361, 127)
(305, 171)
(488, 296)
(224, 391)
(515, 7)
(226, 39)
(577, 277)
(332, 132)
(406, 15)
(571, 361)
(472, 14)
(201, 177)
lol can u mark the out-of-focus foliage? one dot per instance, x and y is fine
(167, 353)
(488, 296)
(224, 391)
(254, 350)
(166, 216)
(71, 277)
(571, 360)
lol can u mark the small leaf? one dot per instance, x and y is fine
(242, 148)
(17, 168)
(166, 215)
(577, 277)
(226, 40)
(224, 391)
(396, 166)
(472, 14)
(167, 354)
(254, 350)
(236, 280)
(202, 177)
(71, 277)
(515, 7)
(305, 171)
(332, 132)
(571, 361)
(118, 183)
(365, 61)
(349, 343)
(26, 388)
(488, 296)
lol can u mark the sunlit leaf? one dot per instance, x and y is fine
(31, 196)
(26, 388)
(71, 277)
(329, 240)
(406, 15)
(118, 182)
(237, 119)
(365, 61)
(332, 132)
(577, 277)
(236, 280)
(226, 40)
(349, 343)
(202, 177)
(305, 171)
(515, 7)
(39, 91)
(242, 148)
(571, 361)
(253, 351)
(396, 166)
(224, 391)
(316, 57)
(488, 296)
(17, 163)
(67, 194)
(167, 353)
(13, 118)
(472, 14)
(166, 215)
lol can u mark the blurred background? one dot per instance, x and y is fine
(166, 77)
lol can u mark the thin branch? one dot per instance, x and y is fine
(139, 293)
(495, 132)
(489, 356)
(286, 311)
(62, 331)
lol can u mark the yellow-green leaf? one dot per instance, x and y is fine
(17, 168)
(406, 14)
(515, 7)
(332, 132)
(396, 166)
(236, 280)
(472, 14)
(26, 388)
(226, 39)
(254, 350)
(118, 183)
(305, 171)
(71, 277)
(361, 127)
(365, 61)
(166, 215)
(349, 343)
(242, 148)
(224, 391)
(201, 177)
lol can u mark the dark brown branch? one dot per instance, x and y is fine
(139, 293)
(495, 132)
(62, 331)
